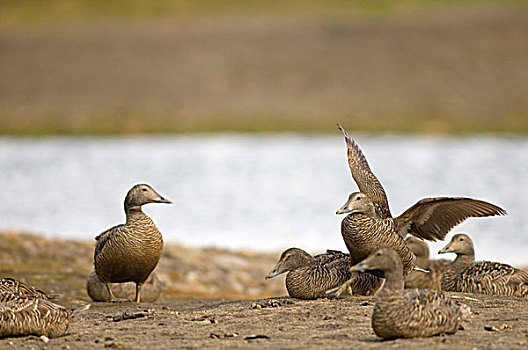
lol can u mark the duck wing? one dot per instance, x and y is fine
(366, 181)
(493, 276)
(105, 237)
(433, 218)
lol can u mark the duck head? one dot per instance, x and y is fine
(383, 259)
(143, 194)
(291, 259)
(460, 244)
(357, 202)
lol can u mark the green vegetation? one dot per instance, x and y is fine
(139, 124)
(35, 13)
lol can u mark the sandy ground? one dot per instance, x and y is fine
(214, 299)
(498, 323)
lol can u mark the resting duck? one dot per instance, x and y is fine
(24, 315)
(309, 277)
(408, 313)
(482, 277)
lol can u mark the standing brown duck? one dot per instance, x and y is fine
(482, 277)
(130, 252)
(309, 277)
(421, 279)
(408, 313)
(25, 315)
(369, 224)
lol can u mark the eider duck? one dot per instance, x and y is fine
(26, 315)
(420, 279)
(408, 313)
(130, 252)
(10, 285)
(150, 291)
(481, 277)
(309, 277)
(369, 224)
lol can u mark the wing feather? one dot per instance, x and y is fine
(433, 218)
(365, 179)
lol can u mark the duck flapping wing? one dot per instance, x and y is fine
(366, 181)
(433, 218)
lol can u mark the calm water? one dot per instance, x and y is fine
(261, 192)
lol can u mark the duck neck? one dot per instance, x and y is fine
(394, 283)
(462, 261)
(134, 213)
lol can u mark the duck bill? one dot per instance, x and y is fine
(163, 200)
(344, 209)
(362, 266)
(272, 274)
(444, 250)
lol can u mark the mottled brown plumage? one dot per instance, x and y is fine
(130, 252)
(309, 277)
(25, 315)
(10, 285)
(150, 291)
(421, 279)
(408, 313)
(483, 277)
(369, 224)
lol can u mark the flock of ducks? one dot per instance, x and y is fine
(410, 301)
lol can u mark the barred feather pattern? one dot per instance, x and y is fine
(364, 234)
(329, 270)
(11, 285)
(408, 313)
(415, 313)
(25, 315)
(484, 277)
(130, 252)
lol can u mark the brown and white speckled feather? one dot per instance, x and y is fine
(24, 315)
(310, 277)
(363, 235)
(420, 279)
(409, 313)
(433, 218)
(481, 277)
(130, 252)
(365, 179)
(10, 285)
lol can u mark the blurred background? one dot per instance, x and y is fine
(229, 109)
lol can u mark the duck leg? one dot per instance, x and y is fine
(345, 286)
(138, 290)
(113, 299)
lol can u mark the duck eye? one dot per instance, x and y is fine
(144, 189)
(461, 239)
(358, 198)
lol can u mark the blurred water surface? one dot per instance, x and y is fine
(261, 191)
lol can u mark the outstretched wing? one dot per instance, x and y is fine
(433, 218)
(366, 181)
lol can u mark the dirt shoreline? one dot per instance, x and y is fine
(191, 315)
